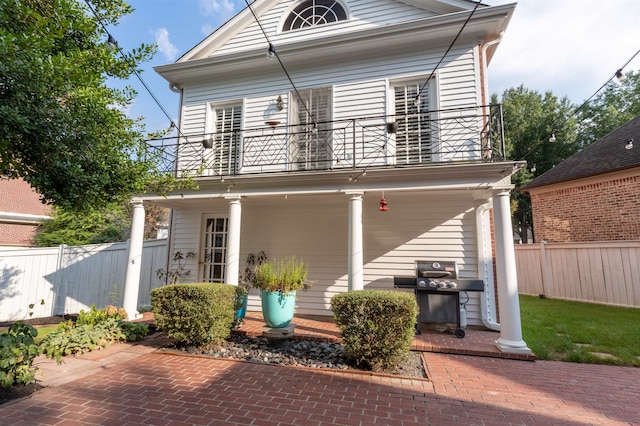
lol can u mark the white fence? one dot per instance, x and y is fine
(602, 272)
(70, 279)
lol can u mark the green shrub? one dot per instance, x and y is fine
(17, 352)
(195, 314)
(377, 326)
(134, 331)
(95, 316)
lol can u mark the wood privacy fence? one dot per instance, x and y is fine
(70, 279)
(602, 272)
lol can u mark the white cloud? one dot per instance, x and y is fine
(164, 44)
(570, 47)
(207, 29)
(215, 7)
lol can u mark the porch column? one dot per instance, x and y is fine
(355, 264)
(510, 326)
(232, 269)
(134, 261)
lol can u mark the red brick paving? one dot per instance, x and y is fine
(164, 389)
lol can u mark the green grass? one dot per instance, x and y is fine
(570, 331)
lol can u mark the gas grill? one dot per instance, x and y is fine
(437, 289)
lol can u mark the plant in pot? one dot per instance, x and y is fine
(248, 278)
(279, 280)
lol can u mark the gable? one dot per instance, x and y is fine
(243, 33)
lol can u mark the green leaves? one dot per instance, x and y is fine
(59, 128)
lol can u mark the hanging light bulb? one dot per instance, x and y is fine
(111, 43)
(533, 168)
(629, 144)
(271, 53)
(552, 137)
(620, 76)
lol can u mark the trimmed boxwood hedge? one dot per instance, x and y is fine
(197, 314)
(377, 326)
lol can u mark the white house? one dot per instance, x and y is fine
(299, 117)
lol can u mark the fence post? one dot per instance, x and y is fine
(546, 281)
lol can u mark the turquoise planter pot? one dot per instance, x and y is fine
(242, 312)
(277, 308)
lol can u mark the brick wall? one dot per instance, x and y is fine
(598, 210)
(17, 196)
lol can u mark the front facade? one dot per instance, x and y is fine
(593, 195)
(364, 144)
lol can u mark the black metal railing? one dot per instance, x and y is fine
(473, 134)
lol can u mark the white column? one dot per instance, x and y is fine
(232, 268)
(134, 262)
(509, 306)
(355, 264)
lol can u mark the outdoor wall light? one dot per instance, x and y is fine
(279, 103)
(629, 144)
(271, 53)
(207, 143)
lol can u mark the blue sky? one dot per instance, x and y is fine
(570, 47)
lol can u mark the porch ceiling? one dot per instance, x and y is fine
(480, 178)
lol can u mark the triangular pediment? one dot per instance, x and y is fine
(244, 33)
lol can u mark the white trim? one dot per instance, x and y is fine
(23, 218)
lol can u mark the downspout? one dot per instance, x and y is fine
(485, 78)
(485, 268)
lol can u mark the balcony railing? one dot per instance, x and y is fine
(446, 136)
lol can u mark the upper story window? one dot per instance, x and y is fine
(310, 13)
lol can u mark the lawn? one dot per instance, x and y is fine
(581, 332)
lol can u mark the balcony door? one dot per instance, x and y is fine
(413, 139)
(311, 130)
(222, 157)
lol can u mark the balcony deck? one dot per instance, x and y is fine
(461, 135)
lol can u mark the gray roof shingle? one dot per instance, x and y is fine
(606, 155)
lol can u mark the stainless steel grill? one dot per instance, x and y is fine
(437, 289)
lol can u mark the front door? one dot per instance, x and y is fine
(214, 249)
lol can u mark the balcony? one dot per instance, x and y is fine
(470, 135)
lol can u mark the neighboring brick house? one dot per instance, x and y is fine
(21, 211)
(593, 195)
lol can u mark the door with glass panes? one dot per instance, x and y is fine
(413, 138)
(214, 249)
(311, 130)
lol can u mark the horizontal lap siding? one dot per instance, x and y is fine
(364, 14)
(315, 228)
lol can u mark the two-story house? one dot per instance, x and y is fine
(353, 134)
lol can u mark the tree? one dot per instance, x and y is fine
(618, 103)
(529, 120)
(106, 225)
(61, 128)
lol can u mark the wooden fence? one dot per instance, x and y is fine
(602, 272)
(70, 279)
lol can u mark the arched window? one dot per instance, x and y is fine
(310, 13)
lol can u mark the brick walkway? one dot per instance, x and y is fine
(147, 387)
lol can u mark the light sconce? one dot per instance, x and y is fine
(552, 137)
(392, 127)
(271, 53)
(207, 143)
(279, 103)
(620, 76)
(629, 144)
(111, 43)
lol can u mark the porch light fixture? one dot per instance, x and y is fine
(392, 127)
(629, 144)
(552, 137)
(279, 103)
(207, 143)
(271, 53)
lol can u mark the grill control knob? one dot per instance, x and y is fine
(433, 284)
(422, 284)
(442, 284)
(453, 284)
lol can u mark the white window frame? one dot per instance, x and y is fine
(230, 165)
(203, 263)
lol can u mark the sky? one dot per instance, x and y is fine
(568, 47)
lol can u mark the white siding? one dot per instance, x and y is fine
(364, 14)
(315, 228)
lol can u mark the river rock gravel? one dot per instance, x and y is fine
(295, 352)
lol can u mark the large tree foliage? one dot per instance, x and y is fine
(529, 120)
(109, 224)
(618, 103)
(62, 128)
